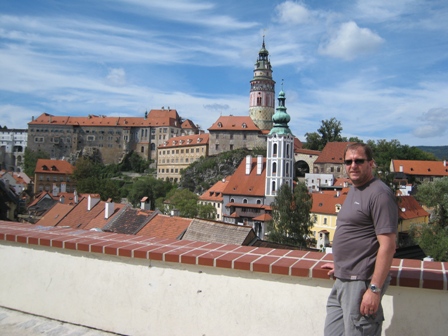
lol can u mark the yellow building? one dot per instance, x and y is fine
(178, 153)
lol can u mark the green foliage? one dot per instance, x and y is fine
(185, 201)
(206, 171)
(329, 131)
(440, 152)
(292, 220)
(433, 237)
(30, 160)
(150, 187)
(206, 211)
(134, 162)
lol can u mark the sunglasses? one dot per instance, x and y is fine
(357, 162)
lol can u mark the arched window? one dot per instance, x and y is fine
(258, 101)
(273, 186)
(232, 200)
(274, 168)
(274, 150)
(245, 200)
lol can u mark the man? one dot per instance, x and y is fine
(363, 248)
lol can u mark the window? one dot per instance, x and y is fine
(274, 168)
(142, 149)
(258, 101)
(231, 136)
(231, 147)
(275, 149)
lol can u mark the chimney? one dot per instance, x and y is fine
(338, 194)
(92, 200)
(62, 199)
(63, 187)
(248, 164)
(145, 203)
(109, 208)
(55, 190)
(75, 196)
(259, 164)
(401, 168)
(444, 163)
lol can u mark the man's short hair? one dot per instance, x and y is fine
(367, 150)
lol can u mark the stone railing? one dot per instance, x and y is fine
(134, 285)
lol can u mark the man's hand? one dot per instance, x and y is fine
(370, 303)
(329, 266)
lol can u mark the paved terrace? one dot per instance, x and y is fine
(134, 285)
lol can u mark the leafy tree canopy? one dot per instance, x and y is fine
(30, 160)
(292, 220)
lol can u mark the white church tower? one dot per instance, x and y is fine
(280, 151)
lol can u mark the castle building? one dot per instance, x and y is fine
(262, 91)
(12, 148)
(235, 132)
(106, 138)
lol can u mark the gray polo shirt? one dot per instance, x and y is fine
(368, 211)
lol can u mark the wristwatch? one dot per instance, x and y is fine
(374, 288)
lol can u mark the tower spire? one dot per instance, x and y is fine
(262, 91)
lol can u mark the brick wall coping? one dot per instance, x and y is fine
(405, 272)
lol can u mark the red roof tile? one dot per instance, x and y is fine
(234, 123)
(186, 140)
(53, 167)
(252, 184)
(419, 167)
(162, 226)
(333, 152)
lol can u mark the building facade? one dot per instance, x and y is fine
(12, 148)
(178, 153)
(107, 138)
(53, 176)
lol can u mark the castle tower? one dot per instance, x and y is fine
(280, 151)
(262, 91)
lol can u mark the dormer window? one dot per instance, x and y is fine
(220, 124)
(44, 167)
(53, 168)
(244, 125)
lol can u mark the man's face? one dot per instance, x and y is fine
(359, 173)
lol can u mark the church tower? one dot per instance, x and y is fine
(280, 151)
(262, 91)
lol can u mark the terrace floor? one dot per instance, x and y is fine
(16, 323)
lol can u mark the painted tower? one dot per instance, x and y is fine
(262, 91)
(280, 151)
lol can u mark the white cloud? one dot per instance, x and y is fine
(435, 123)
(350, 41)
(116, 77)
(291, 13)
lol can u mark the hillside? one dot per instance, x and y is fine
(441, 152)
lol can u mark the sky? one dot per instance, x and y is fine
(380, 67)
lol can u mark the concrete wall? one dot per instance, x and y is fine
(135, 296)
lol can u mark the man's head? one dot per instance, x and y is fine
(358, 160)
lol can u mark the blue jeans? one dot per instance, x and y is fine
(343, 315)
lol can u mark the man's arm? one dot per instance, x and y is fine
(370, 301)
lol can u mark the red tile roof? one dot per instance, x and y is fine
(186, 141)
(214, 193)
(163, 226)
(53, 167)
(324, 202)
(250, 185)
(55, 214)
(333, 152)
(234, 123)
(416, 167)
(164, 117)
(410, 208)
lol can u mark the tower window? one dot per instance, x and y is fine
(258, 101)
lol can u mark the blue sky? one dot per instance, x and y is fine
(380, 67)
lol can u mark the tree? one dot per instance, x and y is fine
(292, 220)
(30, 160)
(206, 211)
(433, 237)
(185, 201)
(329, 131)
(150, 187)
